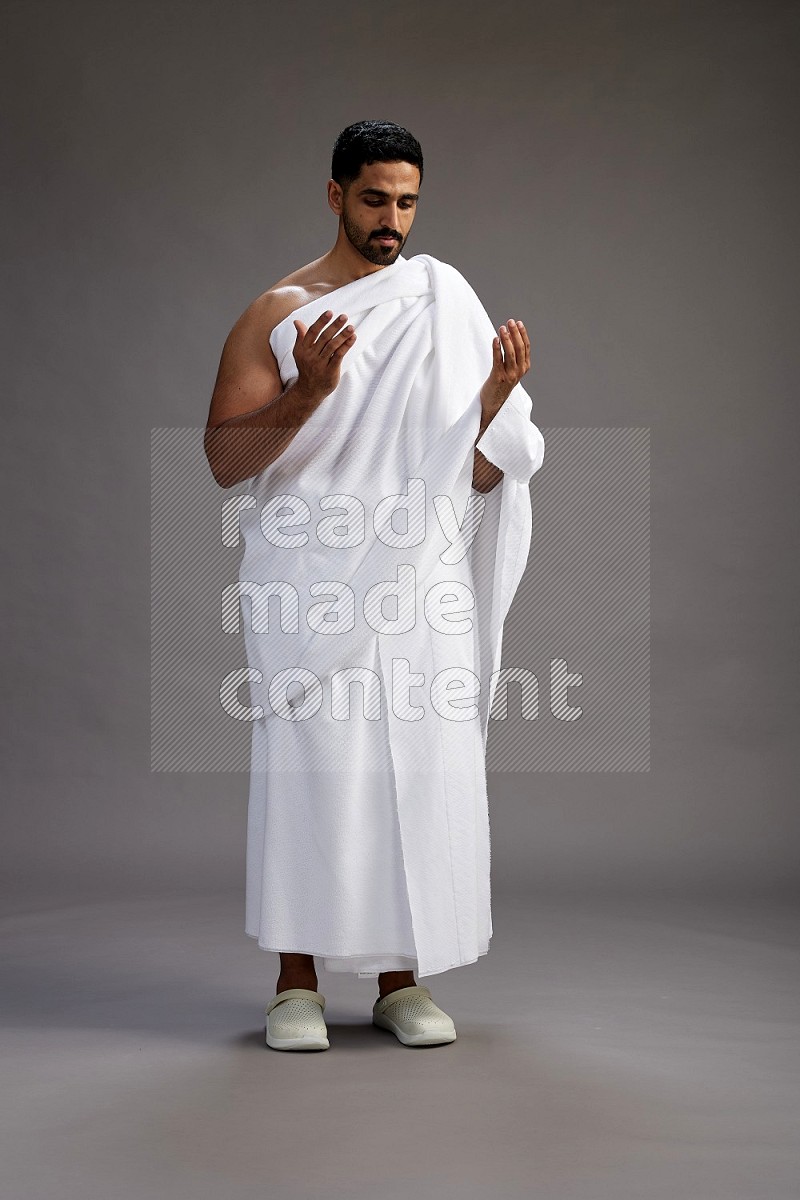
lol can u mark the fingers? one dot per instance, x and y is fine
(313, 333)
(321, 320)
(516, 348)
(525, 357)
(509, 349)
(331, 336)
(344, 346)
(329, 332)
(340, 341)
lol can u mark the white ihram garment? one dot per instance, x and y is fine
(368, 837)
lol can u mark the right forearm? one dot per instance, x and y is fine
(242, 446)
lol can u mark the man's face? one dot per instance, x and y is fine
(381, 201)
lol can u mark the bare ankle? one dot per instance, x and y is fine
(283, 985)
(392, 981)
(297, 971)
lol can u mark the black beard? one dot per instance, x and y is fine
(371, 250)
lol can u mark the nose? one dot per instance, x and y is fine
(390, 216)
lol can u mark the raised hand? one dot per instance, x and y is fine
(319, 352)
(511, 359)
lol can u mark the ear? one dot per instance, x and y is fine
(335, 197)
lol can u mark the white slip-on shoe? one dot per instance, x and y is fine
(295, 1021)
(412, 1016)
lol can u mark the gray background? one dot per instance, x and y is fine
(620, 176)
(623, 177)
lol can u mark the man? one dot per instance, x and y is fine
(368, 837)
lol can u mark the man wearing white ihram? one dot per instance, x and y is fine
(374, 422)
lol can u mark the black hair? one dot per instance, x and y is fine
(372, 141)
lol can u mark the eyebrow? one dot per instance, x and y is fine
(370, 191)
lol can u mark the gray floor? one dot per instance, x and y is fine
(639, 1047)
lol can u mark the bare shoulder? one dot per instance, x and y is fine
(268, 310)
(248, 370)
(248, 343)
(287, 294)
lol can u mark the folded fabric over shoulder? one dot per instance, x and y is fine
(399, 433)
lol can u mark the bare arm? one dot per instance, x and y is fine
(246, 432)
(243, 445)
(511, 359)
(485, 475)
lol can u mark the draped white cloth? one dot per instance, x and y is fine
(368, 824)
